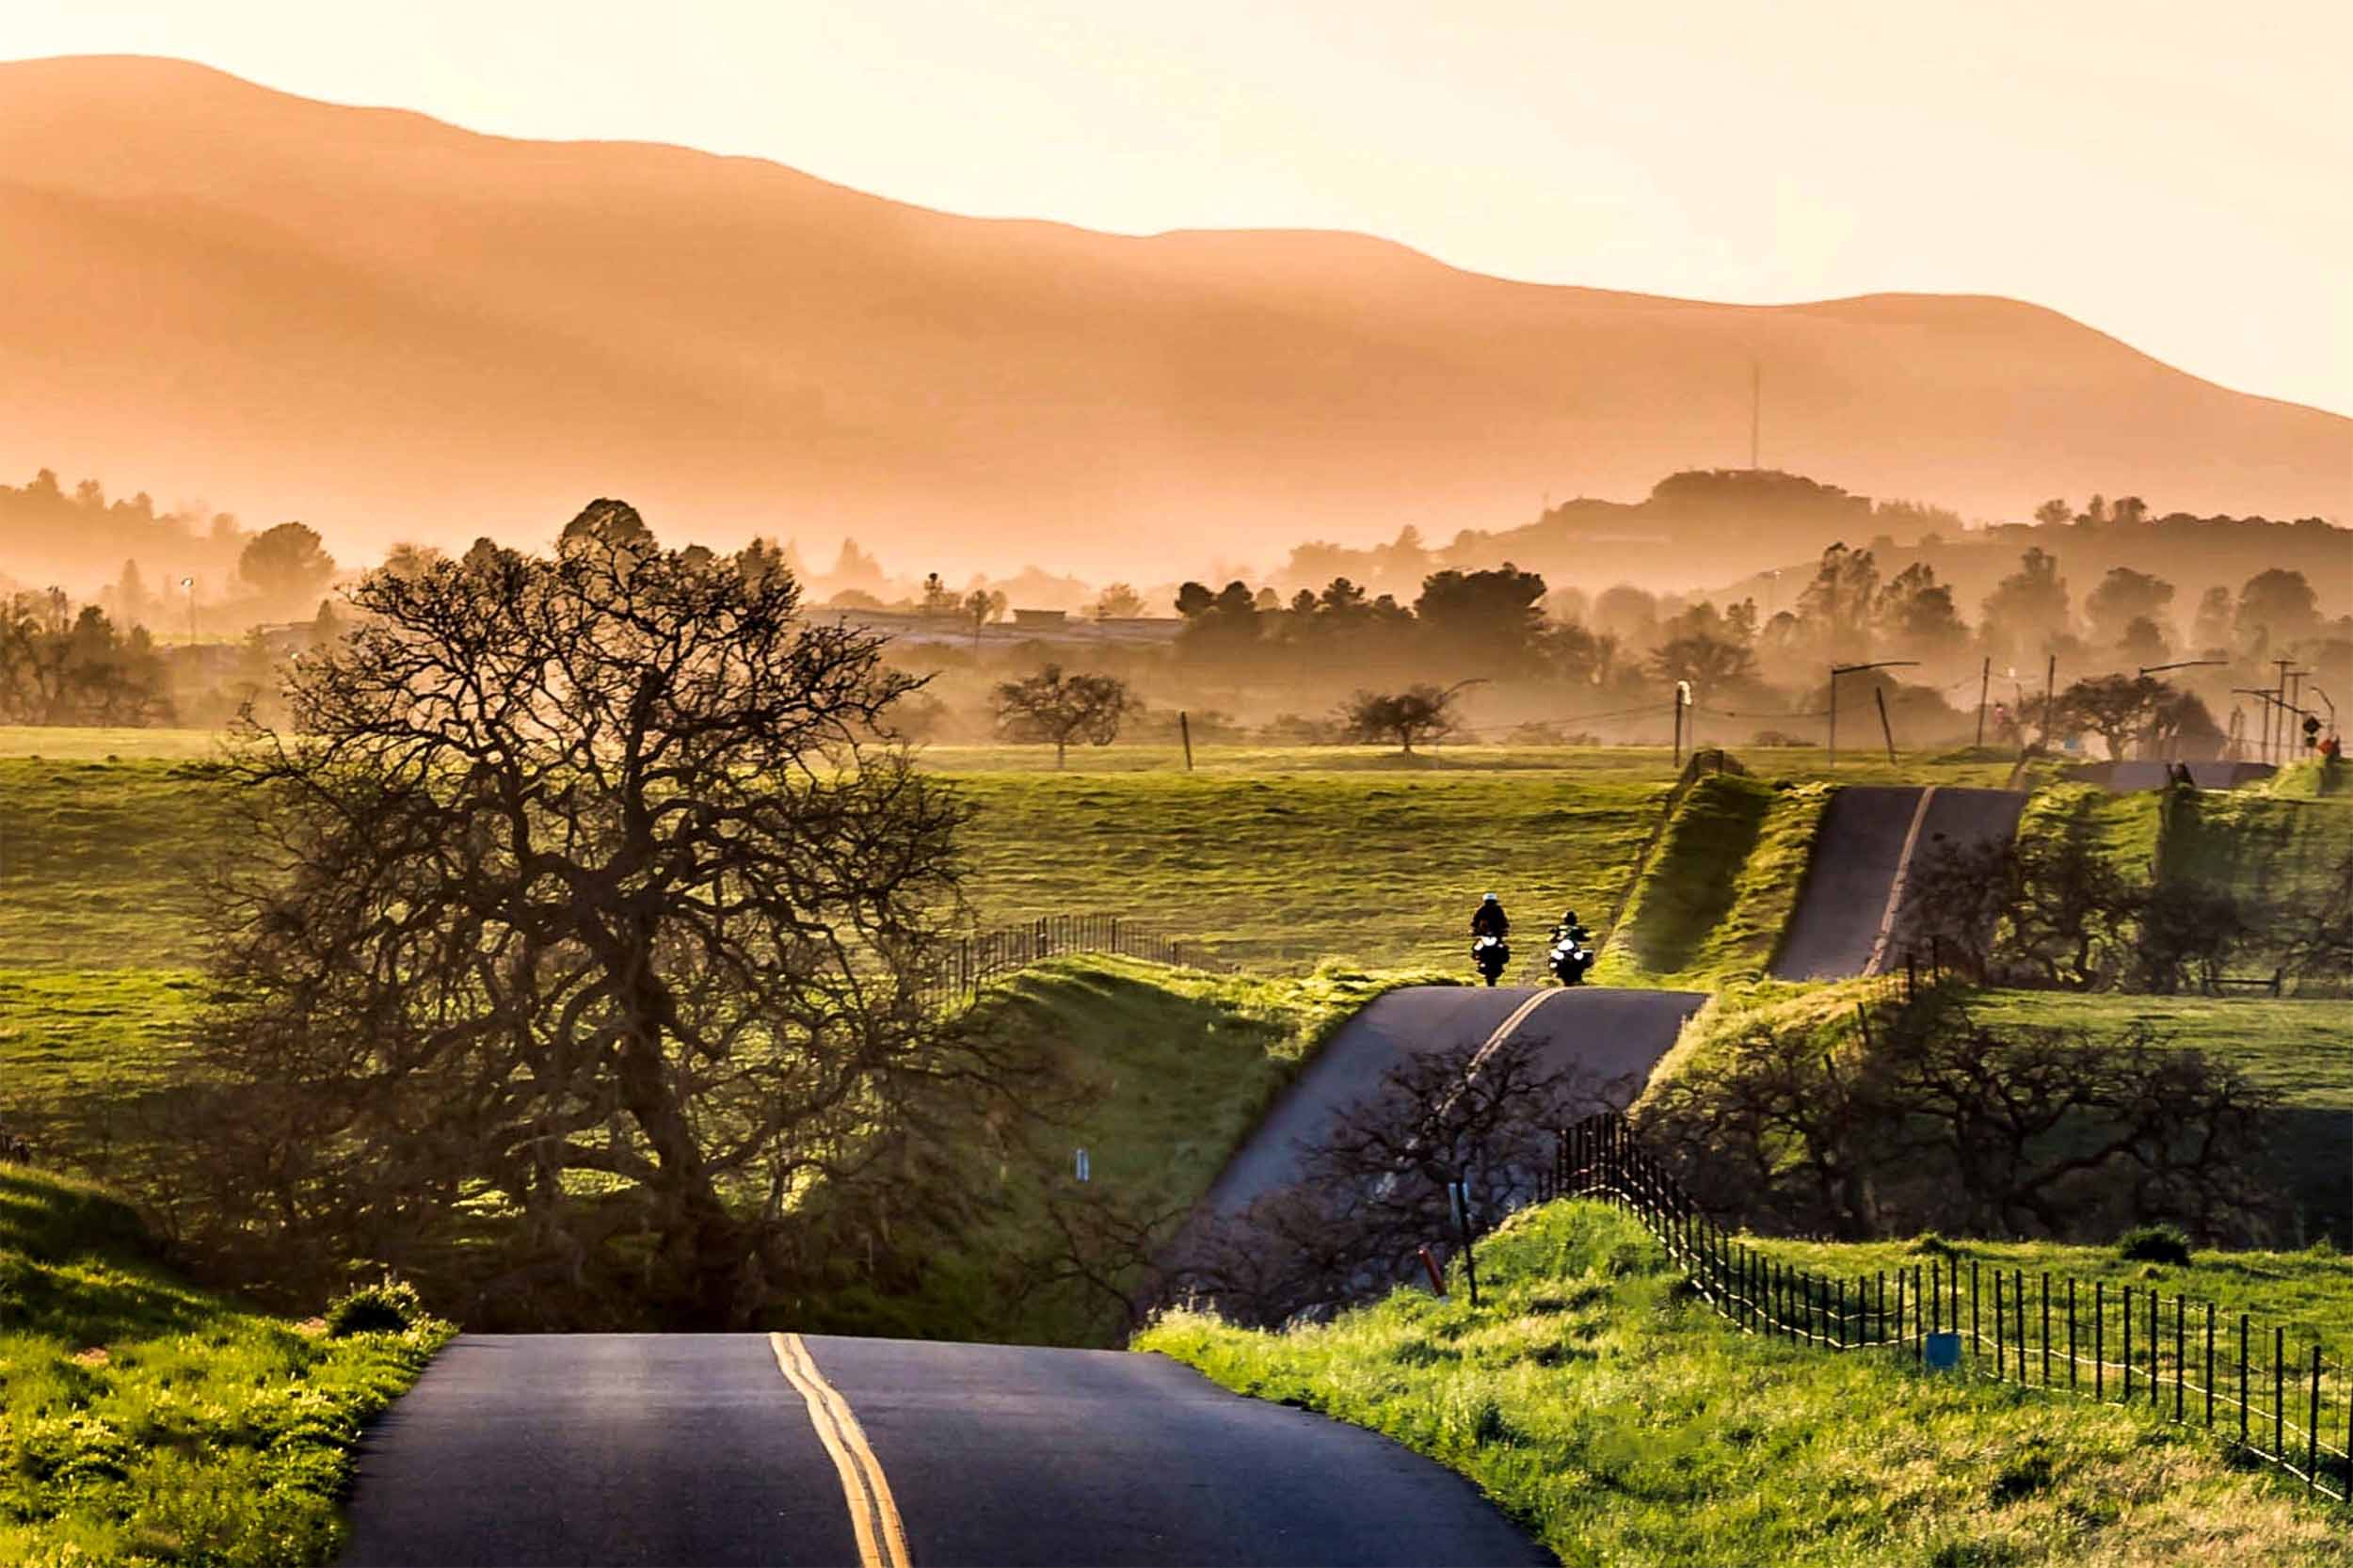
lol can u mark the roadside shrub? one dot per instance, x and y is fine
(2153, 1244)
(388, 1306)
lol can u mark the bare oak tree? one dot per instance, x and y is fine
(1063, 710)
(593, 896)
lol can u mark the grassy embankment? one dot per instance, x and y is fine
(143, 1421)
(1167, 1072)
(1627, 1423)
(1710, 906)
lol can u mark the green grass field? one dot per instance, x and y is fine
(1628, 1424)
(144, 1422)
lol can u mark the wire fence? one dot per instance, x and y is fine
(2182, 1359)
(972, 962)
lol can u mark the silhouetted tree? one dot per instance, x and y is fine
(1707, 662)
(2121, 597)
(2277, 609)
(2027, 611)
(582, 888)
(1062, 709)
(1119, 602)
(2119, 708)
(1421, 713)
(286, 565)
(1491, 618)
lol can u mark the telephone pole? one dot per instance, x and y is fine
(1985, 677)
(1837, 670)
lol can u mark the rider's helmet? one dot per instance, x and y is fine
(1489, 898)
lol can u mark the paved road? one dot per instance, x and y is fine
(695, 1449)
(1608, 1032)
(1850, 879)
(1856, 854)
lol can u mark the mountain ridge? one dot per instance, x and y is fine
(507, 326)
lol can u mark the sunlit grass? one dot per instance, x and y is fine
(1628, 1424)
(146, 1422)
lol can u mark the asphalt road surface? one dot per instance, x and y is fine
(1610, 1033)
(1850, 877)
(747, 1448)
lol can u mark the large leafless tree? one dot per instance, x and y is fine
(593, 897)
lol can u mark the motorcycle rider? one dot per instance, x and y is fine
(1489, 920)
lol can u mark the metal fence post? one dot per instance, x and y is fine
(2311, 1432)
(2242, 1379)
(2210, 1366)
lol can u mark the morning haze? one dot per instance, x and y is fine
(1526, 783)
(393, 328)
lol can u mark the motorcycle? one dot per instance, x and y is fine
(1572, 952)
(1490, 956)
(1570, 956)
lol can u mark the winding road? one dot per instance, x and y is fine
(774, 1449)
(1605, 1033)
(781, 1450)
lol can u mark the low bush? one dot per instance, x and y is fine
(388, 1306)
(2153, 1244)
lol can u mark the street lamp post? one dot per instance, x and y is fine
(1837, 670)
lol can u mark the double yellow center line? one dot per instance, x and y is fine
(882, 1540)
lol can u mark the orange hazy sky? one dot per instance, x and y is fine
(2173, 173)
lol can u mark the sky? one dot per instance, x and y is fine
(2175, 175)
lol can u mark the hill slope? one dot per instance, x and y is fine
(396, 328)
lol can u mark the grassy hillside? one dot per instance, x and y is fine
(2295, 1048)
(2265, 847)
(103, 865)
(1167, 1073)
(144, 1422)
(1710, 906)
(1628, 1425)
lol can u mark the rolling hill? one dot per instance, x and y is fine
(393, 327)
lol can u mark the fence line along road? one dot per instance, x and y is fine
(2183, 1360)
(972, 962)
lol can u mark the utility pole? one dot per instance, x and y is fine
(1682, 701)
(2050, 686)
(1985, 676)
(1879, 694)
(1837, 670)
(2280, 723)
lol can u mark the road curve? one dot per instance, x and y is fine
(694, 1449)
(1605, 1031)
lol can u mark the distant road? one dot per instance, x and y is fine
(1849, 890)
(1610, 1033)
(701, 1449)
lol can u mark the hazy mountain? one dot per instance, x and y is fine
(393, 327)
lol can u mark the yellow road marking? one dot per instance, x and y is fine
(882, 1538)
